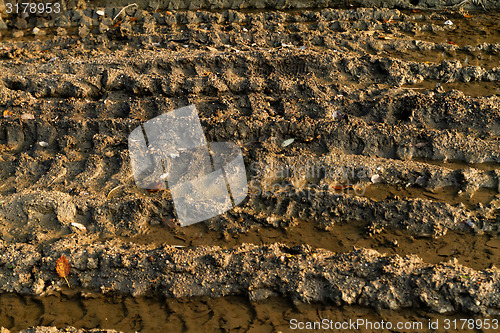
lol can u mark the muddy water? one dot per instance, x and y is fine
(449, 194)
(472, 28)
(128, 314)
(475, 251)
(456, 165)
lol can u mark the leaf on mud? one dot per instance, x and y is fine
(155, 187)
(7, 114)
(63, 267)
(342, 187)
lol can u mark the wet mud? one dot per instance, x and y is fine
(167, 314)
(385, 205)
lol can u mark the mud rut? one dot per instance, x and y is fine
(398, 113)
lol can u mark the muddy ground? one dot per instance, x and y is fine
(385, 205)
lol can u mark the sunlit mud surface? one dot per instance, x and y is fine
(371, 139)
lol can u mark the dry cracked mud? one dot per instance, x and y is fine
(384, 206)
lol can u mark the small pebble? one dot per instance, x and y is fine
(78, 226)
(421, 181)
(27, 116)
(337, 115)
(287, 142)
(83, 31)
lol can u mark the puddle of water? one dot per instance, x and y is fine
(475, 251)
(448, 194)
(457, 165)
(479, 28)
(482, 59)
(227, 314)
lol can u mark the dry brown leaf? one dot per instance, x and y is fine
(63, 267)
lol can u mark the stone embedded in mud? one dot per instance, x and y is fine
(3, 25)
(20, 24)
(63, 21)
(261, 294)
(83, 31)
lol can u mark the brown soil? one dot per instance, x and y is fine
(397, 112)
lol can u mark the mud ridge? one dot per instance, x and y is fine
(361, 277)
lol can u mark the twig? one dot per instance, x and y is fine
(113, 189)
(119, 13)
